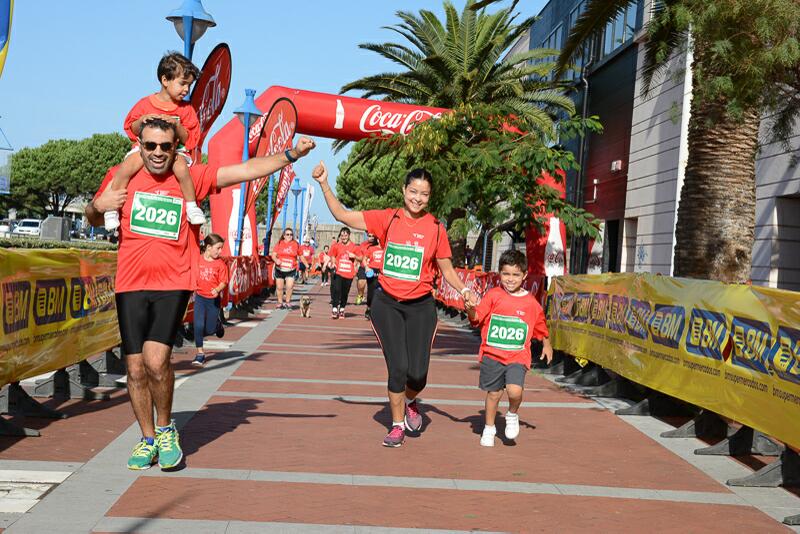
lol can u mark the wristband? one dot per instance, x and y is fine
(289, 156)
(465, 290)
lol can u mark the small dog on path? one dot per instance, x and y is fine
(305, 306)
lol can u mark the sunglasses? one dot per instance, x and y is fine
(288, 235)
(150, 146)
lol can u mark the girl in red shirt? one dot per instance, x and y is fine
(324, 259)
(212, 279)
(284, 254)
(403, 312)
(373, 261)
(345, 256)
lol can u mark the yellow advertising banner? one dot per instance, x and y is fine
(732, 349)
(58, 309)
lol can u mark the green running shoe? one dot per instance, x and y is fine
(169, 450)
(143, 456)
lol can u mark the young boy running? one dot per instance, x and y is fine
(176, 74)
(509, 317)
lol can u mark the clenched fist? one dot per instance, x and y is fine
(304, 146)
(320, 173)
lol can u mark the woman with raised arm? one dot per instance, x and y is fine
(403, 312)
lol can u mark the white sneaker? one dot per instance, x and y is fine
(111, 220)
(195, 215)
(487, 438)
(512, 425)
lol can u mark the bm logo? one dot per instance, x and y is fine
(50, 301)
(16, 306)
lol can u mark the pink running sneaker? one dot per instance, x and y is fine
(413, 416)
(341, 310)
(395, 437)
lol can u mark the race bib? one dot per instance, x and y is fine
(403, 261)
(507, 332)
(156, 215)
(345, 265)
(287, 265)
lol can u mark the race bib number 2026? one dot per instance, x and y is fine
(156, 215)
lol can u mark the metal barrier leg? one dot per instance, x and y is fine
(596, 376)
(7, 428)
(792, 520)
(657, 405)
(706, 425)
(110, 368)
(15, 401)
(743, 442)
(67, 384)
(783, 472)
(575, 375)
(616, 387)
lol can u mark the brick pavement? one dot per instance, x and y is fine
(282, 433)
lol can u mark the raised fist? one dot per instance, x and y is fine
(304, 146)
(320, 173)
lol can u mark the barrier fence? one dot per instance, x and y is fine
(58, 305)
(732, 349)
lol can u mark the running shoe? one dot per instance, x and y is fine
(395, 437)
(169, 450)
(278, 306)
(287, 306)
(487, 438)
(413, 416)
(195, 215)
(143, 456)
(199, 360)
(512, 425)
(367, 315)
(220, 332)
(341, 313)
(334, 313)
(359, 300)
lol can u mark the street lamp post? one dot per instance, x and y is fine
(247, 113)
(296, 190)
(191, 22)
(302, 213)
(268, 234)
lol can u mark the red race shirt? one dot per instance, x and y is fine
(411, 249)
(508, 323)
(158, 248)
(345, 266)
(211, 273)
(184, 111)
(307, 252)
(374, 256)
(287, 252)
(322, 259)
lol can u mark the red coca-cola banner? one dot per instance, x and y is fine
(546, 250)
(285, 180)
(480, 282)
(211, 91)
(275, 137)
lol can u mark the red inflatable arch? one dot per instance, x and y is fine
(331, 116)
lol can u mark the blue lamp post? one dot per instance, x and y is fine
(302, 212)
(285, 212)
(191, 22)
(270, 192)
(296, 190)
(247, 113)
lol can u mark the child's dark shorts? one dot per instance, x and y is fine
(495, 375)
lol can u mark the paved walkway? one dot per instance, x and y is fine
(282, 433)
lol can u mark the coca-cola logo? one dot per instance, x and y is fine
(375, 120)
(554, 259)
(281, 134)
(214, 95)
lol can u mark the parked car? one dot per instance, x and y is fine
(28, 228)
(6, 227)
(98, 233)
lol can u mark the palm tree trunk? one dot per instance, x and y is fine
(716, 216)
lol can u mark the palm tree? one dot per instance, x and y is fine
(460, 61)
(746, 65)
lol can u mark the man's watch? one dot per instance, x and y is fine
(464, 291)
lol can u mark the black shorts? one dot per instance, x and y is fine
(301, 266)
(361, 274)
(282, 275)
(496, 376)
(150, 316)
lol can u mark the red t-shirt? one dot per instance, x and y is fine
(322, 259)
(345, 266)
(509, 322)
(374, 254)
(287, 252)
(158, 248)
(411, 248)
(211, 273)
(307, 252)
(151, 104)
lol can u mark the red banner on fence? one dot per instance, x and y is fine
(480, 282)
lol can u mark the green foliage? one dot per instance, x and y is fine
(19, 242)
(49, 177)
(459, 61)
(485, 173)
(373, 184)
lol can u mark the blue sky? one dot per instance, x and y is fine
(76, 68)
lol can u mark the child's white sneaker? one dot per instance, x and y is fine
(512, 425)
(111, 220)
(487, 438)
(194, 214)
